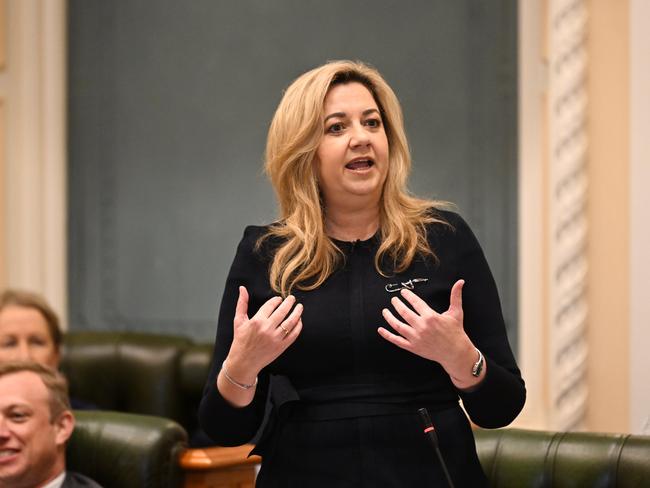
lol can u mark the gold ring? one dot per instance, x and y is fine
(286, 332)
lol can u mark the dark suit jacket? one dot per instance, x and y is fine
(76, 480)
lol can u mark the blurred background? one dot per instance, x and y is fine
(132, 135)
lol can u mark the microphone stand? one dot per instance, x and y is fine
(430, 432)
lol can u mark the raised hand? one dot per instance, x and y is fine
(258, 340)
(435, 336)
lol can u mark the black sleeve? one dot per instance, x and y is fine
(501, 395)
(227, 425)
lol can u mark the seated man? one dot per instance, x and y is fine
(35, 424)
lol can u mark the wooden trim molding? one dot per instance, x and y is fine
(218, 457)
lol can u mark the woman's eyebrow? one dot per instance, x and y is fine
(369, 111)
(335, 115)
(343, 114)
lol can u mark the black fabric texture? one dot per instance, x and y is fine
(344, 400)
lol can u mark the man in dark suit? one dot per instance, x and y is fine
(35, 425)
(77, 480)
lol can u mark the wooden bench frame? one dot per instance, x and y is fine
(219, 467)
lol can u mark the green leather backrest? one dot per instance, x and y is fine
(121, 450)
(153, 374)
(193, 369)
(515, 458)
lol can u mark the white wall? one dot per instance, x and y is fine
(35, 166)
(639, 216)
(532, 84)
(619, 335)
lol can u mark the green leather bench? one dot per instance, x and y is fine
(122, 450)
(163, 375)
(516, 458)
(151, 374)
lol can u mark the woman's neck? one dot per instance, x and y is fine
(351, 225)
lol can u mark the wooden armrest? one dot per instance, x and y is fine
(211, 458)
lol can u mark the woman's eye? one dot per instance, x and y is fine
(374, 123)
(334, 128)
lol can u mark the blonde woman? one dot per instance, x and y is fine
(359, 306)
(29, 329)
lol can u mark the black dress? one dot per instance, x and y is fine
(343, 401)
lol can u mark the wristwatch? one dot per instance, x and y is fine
(478, 365)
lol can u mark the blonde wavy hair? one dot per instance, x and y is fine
(306, 256)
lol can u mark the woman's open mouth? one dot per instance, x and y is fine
(360, 164)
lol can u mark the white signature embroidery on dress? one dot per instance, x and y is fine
(410, 285)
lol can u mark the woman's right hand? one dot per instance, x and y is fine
(258, 341)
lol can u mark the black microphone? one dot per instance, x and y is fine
(430, 432)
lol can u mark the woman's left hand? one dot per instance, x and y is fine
(435, 336)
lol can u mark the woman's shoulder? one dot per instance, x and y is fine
(254, 232)
(259, 240)
(447, 225)
(451, 232)
(445, 218)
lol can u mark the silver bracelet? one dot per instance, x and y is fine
(233, 381)
(478, 365)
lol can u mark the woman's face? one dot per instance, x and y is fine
(24, 335)
(352, 158)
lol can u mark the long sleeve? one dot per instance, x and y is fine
(501, 396)
(225, 424)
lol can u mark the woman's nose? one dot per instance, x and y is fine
(359, 136)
